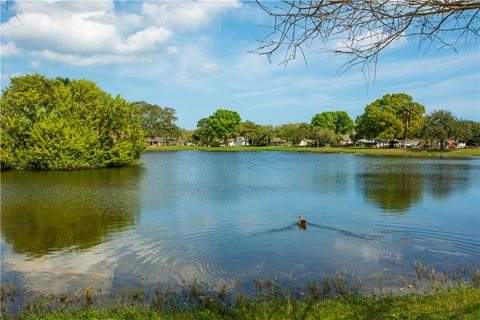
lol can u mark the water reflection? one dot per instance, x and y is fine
(395, 187)
(222, 217)
(44, 212)
(444, 179)
(392, 191)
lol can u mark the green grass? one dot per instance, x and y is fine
(466, 152)
(458, 303)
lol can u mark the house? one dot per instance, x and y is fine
(408, 144)
(238, 142)
(152, 142)
(345, 140)
(451, 144)
(366, 143)
(306, 142)
(165, 141)
(276, 141)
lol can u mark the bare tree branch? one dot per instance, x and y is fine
(361, 30)
(5, 5)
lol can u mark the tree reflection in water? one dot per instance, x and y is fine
(397, 187)
(43, 212)
(393, 191)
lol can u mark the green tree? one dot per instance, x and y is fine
(408, 113)
(338, 121)
(474, 138)
(323, 136)
(223, 124)
(295, 132)
(205, 132)
(249, 129)
(381, 118)
(265, 133)
(440, 126)
(343, 123)
(58, 124)
(324, 120)
(157, 121)
(468, 131)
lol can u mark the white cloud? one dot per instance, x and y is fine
(9, 49)
(209, 67)
(146, 40)
(71, 33)
(367, 40)
(95, 32)
(172, 50)
(90, 7)
(189, 15)
(80, 60)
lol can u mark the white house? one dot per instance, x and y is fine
(306, 142)
(238, 142)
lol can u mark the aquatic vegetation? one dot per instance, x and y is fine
(457, 291)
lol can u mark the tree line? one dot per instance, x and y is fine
(392, 118)
(70, 124)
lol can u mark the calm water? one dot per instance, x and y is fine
(223, 217)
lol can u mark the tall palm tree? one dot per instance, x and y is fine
(407, 113)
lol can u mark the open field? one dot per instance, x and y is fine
(466, 152)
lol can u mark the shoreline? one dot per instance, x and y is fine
(270, 303)
(465, 152)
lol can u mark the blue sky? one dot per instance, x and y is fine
(194, 57)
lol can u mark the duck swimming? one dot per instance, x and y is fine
(302, 222)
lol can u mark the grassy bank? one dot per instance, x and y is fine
(467, 152)
(426, 295)
(458, 303)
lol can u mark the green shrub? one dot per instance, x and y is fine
(215, 144)
(58, 124)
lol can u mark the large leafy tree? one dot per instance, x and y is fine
(323, 136)
(338, 121)
(440, 126)
(468, 131)
(249, 130)
(157, 121)
(205, 132)
(59, 124)
(324, 120)
(222, 124)
(295, 132)
(343, 123)
(265, 133)
(409, 113)
(382, 119)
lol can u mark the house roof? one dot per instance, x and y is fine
(366, 141)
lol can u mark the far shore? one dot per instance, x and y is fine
(464, 152)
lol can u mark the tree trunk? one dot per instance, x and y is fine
(406, 133)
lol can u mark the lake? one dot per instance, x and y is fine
(224, 217)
